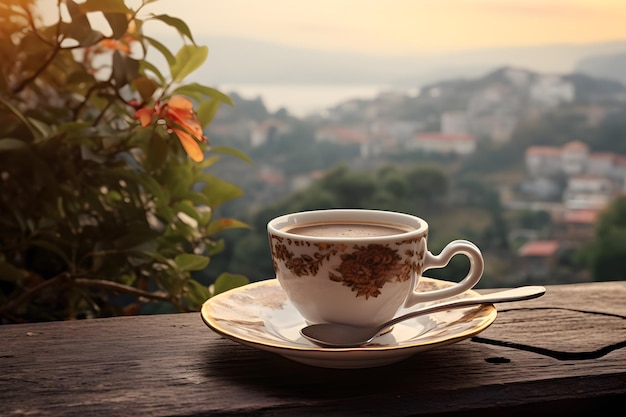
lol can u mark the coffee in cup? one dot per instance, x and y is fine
(359, 267)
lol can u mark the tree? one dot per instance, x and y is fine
(427, 187)
(607, 253)
(104, 168)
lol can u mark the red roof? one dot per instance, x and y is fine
(544, 151)
(344, 134)
(574, 145)
(445, 137)
(581, 216)
(603, 155)
(542, 248)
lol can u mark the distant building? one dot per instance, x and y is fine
(588, 192)
(543, 161)
(345, 135)
(574, 156)
(494, 112)
(443, 143)
(551, 91)
(498, 127)
(576, 228)
(454, 122)
(270, 176)
(539, 259)
(572, 159)
(268, 131)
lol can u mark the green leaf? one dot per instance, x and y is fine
(105, 6)
(145, 66)
(176, 23)
(207, 110)
(43, 129)
(80, 27)
(125, 69)
(34, 130)
(196, 294)
(188, 59)
(10, 144)
(169, 57)
(225, 224)
(234, 152)
(188, 208)
(76, 13)
(157, 152)
(119, 70)
(145, 86)
(191, 262)
(135, 235)
(9, 273)
(227, 281)
(219, 191)
(193, 89)
(209, 161)
(118, 23)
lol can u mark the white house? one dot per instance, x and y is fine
(543, 161)
(588, 192)
(443, 143)
(574, 157)
(552, 90)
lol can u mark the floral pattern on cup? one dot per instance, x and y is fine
(302, 265)
(366, 269)
(369, 268)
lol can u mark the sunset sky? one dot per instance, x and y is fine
(423, 30)
(405, 26)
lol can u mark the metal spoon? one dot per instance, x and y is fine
(342, 336)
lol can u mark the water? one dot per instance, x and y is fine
(303, 100)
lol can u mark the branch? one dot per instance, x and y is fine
(38, 72)
(97, 86)
(122, 288)
(89, 283)
(30, 293)
(31, 21)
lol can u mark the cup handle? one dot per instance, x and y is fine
(477, 266)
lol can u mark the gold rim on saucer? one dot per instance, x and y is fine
(260, 315)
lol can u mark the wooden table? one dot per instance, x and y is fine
(561, 354)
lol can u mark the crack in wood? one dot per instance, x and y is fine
(557, 354)
(599, 313)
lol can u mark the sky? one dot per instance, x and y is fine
(398, 27)
(379, 28)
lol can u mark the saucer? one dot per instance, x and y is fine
(261, 316)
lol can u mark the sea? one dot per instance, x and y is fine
(304, 100)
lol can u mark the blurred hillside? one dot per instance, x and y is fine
(242, 61)
(509, 159)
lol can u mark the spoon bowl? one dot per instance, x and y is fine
(344, 336)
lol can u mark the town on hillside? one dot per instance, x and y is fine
(549, 144)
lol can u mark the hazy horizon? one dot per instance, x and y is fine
(405, 26)
(397, 43)
(305, 80)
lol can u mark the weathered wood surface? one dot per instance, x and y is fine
(561, 354)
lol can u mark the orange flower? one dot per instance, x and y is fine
(179, 118)
(122, 46)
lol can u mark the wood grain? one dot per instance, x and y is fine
(561, 354)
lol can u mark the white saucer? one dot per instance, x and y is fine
(261, 316)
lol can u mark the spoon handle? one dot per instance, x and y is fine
(515, 294)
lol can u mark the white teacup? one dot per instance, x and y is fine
(359, 267)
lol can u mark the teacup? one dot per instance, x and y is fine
(359, 267)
